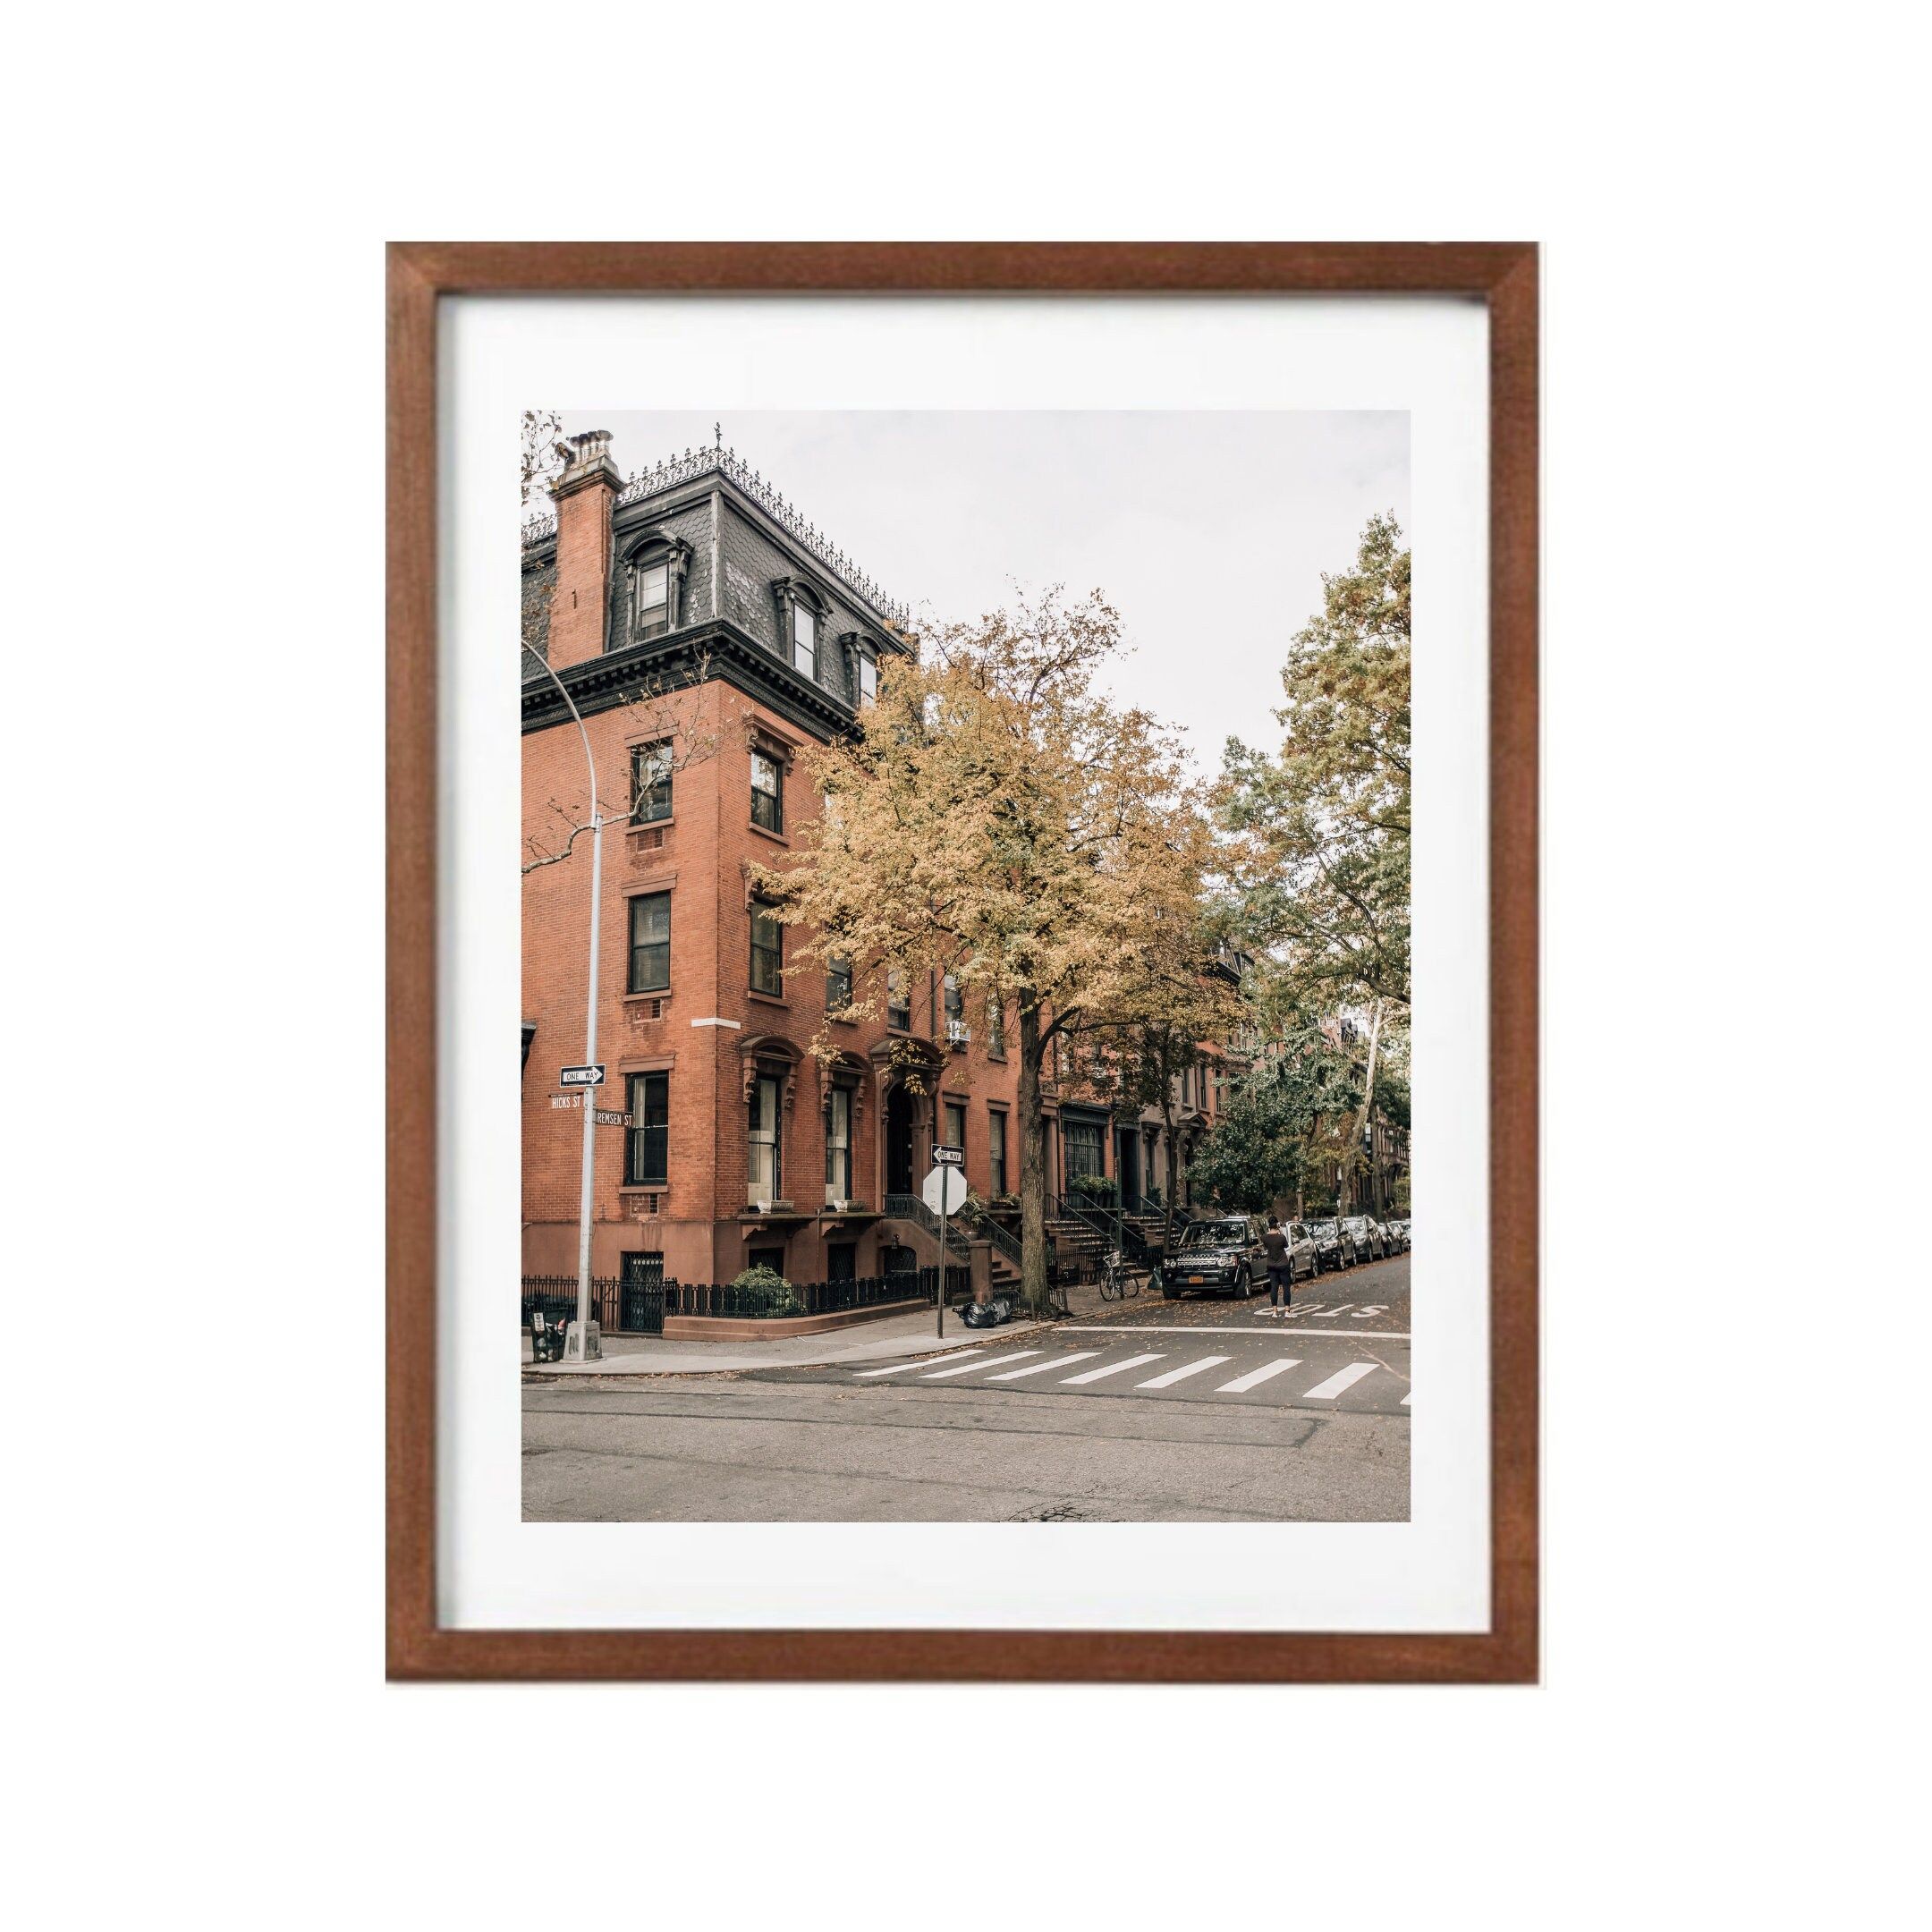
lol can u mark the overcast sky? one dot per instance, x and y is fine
(1208, 531)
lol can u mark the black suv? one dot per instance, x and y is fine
(1335, 1245)
(1224, 1254)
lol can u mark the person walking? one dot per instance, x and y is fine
(1280, 1265)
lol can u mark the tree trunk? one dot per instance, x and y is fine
(1170, 1180)
(1033, 1288)
(1367, 1105)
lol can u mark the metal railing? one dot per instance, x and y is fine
(1111, 1224)
(911, 1207)
(1002, 1241)
(639, 1308)
(556, 1296)
(694, 463)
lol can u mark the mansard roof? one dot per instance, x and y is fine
(675, 472)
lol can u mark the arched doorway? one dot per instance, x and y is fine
(899, 1124)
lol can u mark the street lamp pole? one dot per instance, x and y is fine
(588, 1094)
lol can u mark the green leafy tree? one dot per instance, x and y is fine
(1286, 1120)
(1322, 826)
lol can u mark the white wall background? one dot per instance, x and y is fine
(1735, 494)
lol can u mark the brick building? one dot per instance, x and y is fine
(707, 635)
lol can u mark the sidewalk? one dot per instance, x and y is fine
(880, 1341)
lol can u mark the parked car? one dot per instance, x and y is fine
(1224, 1254)
(1400, 1229)
(1335, 1246)
(1370, 1242)
(1304, 1259)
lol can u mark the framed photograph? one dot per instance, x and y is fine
(1000, 782)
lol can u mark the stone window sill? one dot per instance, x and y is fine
(777, 838)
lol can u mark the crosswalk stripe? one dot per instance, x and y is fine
(1257, 1376)
(1040, 1368)
(918, 1362)
(1178, 1375)
(1344, 1378)
(982, 1362)
(1113, 1367)
(1405, 1398)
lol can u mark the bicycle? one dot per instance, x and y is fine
(1117, 1284)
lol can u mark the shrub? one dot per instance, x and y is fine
(762, 1291)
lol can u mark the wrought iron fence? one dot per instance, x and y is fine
(556, 1296)
(639, 1308)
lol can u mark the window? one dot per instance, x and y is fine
(652, 583)
(767, 952)
(957, 1032)
(898, 1001)
(1082, 1148)
(805, 639)
(996, 1148)
(763, 1173)
(838, 1145)
(650, 782)
(868, 677)
(955, 1123)
(838, 985)
(767, 792)
(650, 943)
(648, 1139)
(995, 1030)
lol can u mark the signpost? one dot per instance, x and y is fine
(944, 1193)
(578, 1343)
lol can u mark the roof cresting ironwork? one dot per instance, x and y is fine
(693, 464)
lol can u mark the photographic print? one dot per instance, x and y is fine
(965, 964)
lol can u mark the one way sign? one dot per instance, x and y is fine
(582, 1076)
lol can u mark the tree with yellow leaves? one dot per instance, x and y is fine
(1001, 819)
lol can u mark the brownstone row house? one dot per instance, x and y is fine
(707, 635)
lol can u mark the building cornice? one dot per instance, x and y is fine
(714, 647)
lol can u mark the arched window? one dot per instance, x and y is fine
(802, 611)
(657, 562)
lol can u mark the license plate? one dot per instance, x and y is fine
(1195, 1281)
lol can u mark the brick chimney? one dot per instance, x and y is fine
(585, 496)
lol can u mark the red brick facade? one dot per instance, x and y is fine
(707, 1031)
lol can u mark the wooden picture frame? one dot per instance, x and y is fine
(1505, 277)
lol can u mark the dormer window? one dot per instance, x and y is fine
(802, 611)
(657, 562)
(653, 599)
(868, 677)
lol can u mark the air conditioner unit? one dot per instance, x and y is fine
(958, 1033)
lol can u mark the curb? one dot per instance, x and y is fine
(541, 1372)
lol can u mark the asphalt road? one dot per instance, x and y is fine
(1189, 1410)
(1374, 1296)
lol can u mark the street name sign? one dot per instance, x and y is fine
(945, 1191)
(605, 1117)
(949, 1156)
(582, 1076)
